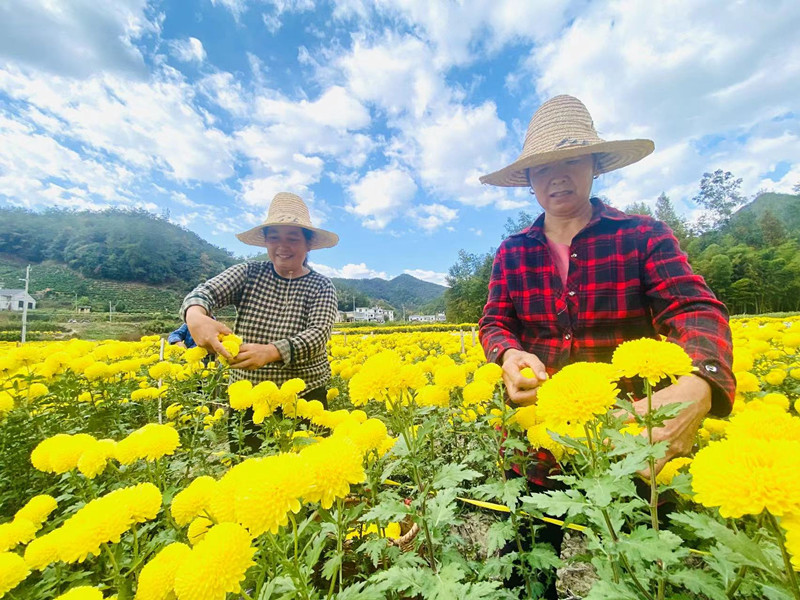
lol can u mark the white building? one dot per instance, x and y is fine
(15, 300)
(437, 318)
(373, 314)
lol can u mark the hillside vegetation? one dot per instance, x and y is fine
(141, 263)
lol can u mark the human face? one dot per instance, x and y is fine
(287, 249)
(562, 188)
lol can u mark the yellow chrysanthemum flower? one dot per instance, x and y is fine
(490, 373)
(37, 509)
(18, 531)
(94, 459)
(538, 437)
(13, 570)
(151, 442)
(193, 500)
(6, 402)
(746, 382)
(652, 360)
(575, 395)
(525, 417)
(743, 477)
(223, 557)
(791, 523)
(477, 392)
(775, 376)
(60, 453)
(83, 592)
(157, 579)
(331, 394)
(672, 468)
(451, 377)
(198, 529)
(195, 354)
(433, 395)
(764, 421)
(334, 464)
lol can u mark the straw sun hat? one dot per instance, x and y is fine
(562, 128)
(289, 209)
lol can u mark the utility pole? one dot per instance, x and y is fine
(111, 309)
(25, 303)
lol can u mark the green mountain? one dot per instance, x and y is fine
(784, 207)
(402, 292)
(142, 263)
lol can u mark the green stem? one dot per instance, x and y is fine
(113, 560)
(294, 534)
(745, 568)
(787, 560)
(624, 559)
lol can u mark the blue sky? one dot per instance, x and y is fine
(382, 115)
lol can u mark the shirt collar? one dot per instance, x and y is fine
(600, 210)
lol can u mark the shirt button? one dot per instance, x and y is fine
(568, 336)
(574, 255)
(711, 368)
(572, 292)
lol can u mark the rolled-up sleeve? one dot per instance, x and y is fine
(311, 342)
(222, 290)
(686, 311)
(499, 326)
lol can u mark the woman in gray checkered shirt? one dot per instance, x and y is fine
(285, 310)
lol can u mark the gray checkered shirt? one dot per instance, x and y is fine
(296, 315)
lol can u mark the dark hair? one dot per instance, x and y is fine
(307, 233)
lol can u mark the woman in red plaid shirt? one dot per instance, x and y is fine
(586, 277)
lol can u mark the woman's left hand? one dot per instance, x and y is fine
(255, 356)
(680, 431)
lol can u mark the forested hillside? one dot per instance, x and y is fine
(140, 262)
(114, 244)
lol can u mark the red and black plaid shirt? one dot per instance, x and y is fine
(628, 279)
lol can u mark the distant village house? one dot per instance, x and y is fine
(374, 314)
(437, 318)
(16, 300)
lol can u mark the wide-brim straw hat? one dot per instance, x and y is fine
(289, 209)
(562, 128)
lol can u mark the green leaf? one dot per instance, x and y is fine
(451, 475)
(557, 503)
(498, 534)
(747, 551)
(386, 511)
(442, 508)
(278, 587)
(332, 565)
(542, 557)
(699, 582)
(361, 591)
(647, 545)
(605, 589)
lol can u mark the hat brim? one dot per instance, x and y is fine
(611, 156)
(321, 239)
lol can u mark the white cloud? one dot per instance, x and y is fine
(76, 38)
(145, 124)
(431, 217)
(36, 170)
(188, 50)
(456, 148)
(381, 196)
(432, 276)
(698, 80)
(349, 271)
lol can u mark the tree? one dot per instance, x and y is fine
(639, 208)
(523, 221)
(469, 287)
(773, 230)
(666, 212)
(719, 196)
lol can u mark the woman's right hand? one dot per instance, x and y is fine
(206, 331)
(522, 390)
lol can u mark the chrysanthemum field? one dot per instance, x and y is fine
(124, 474)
